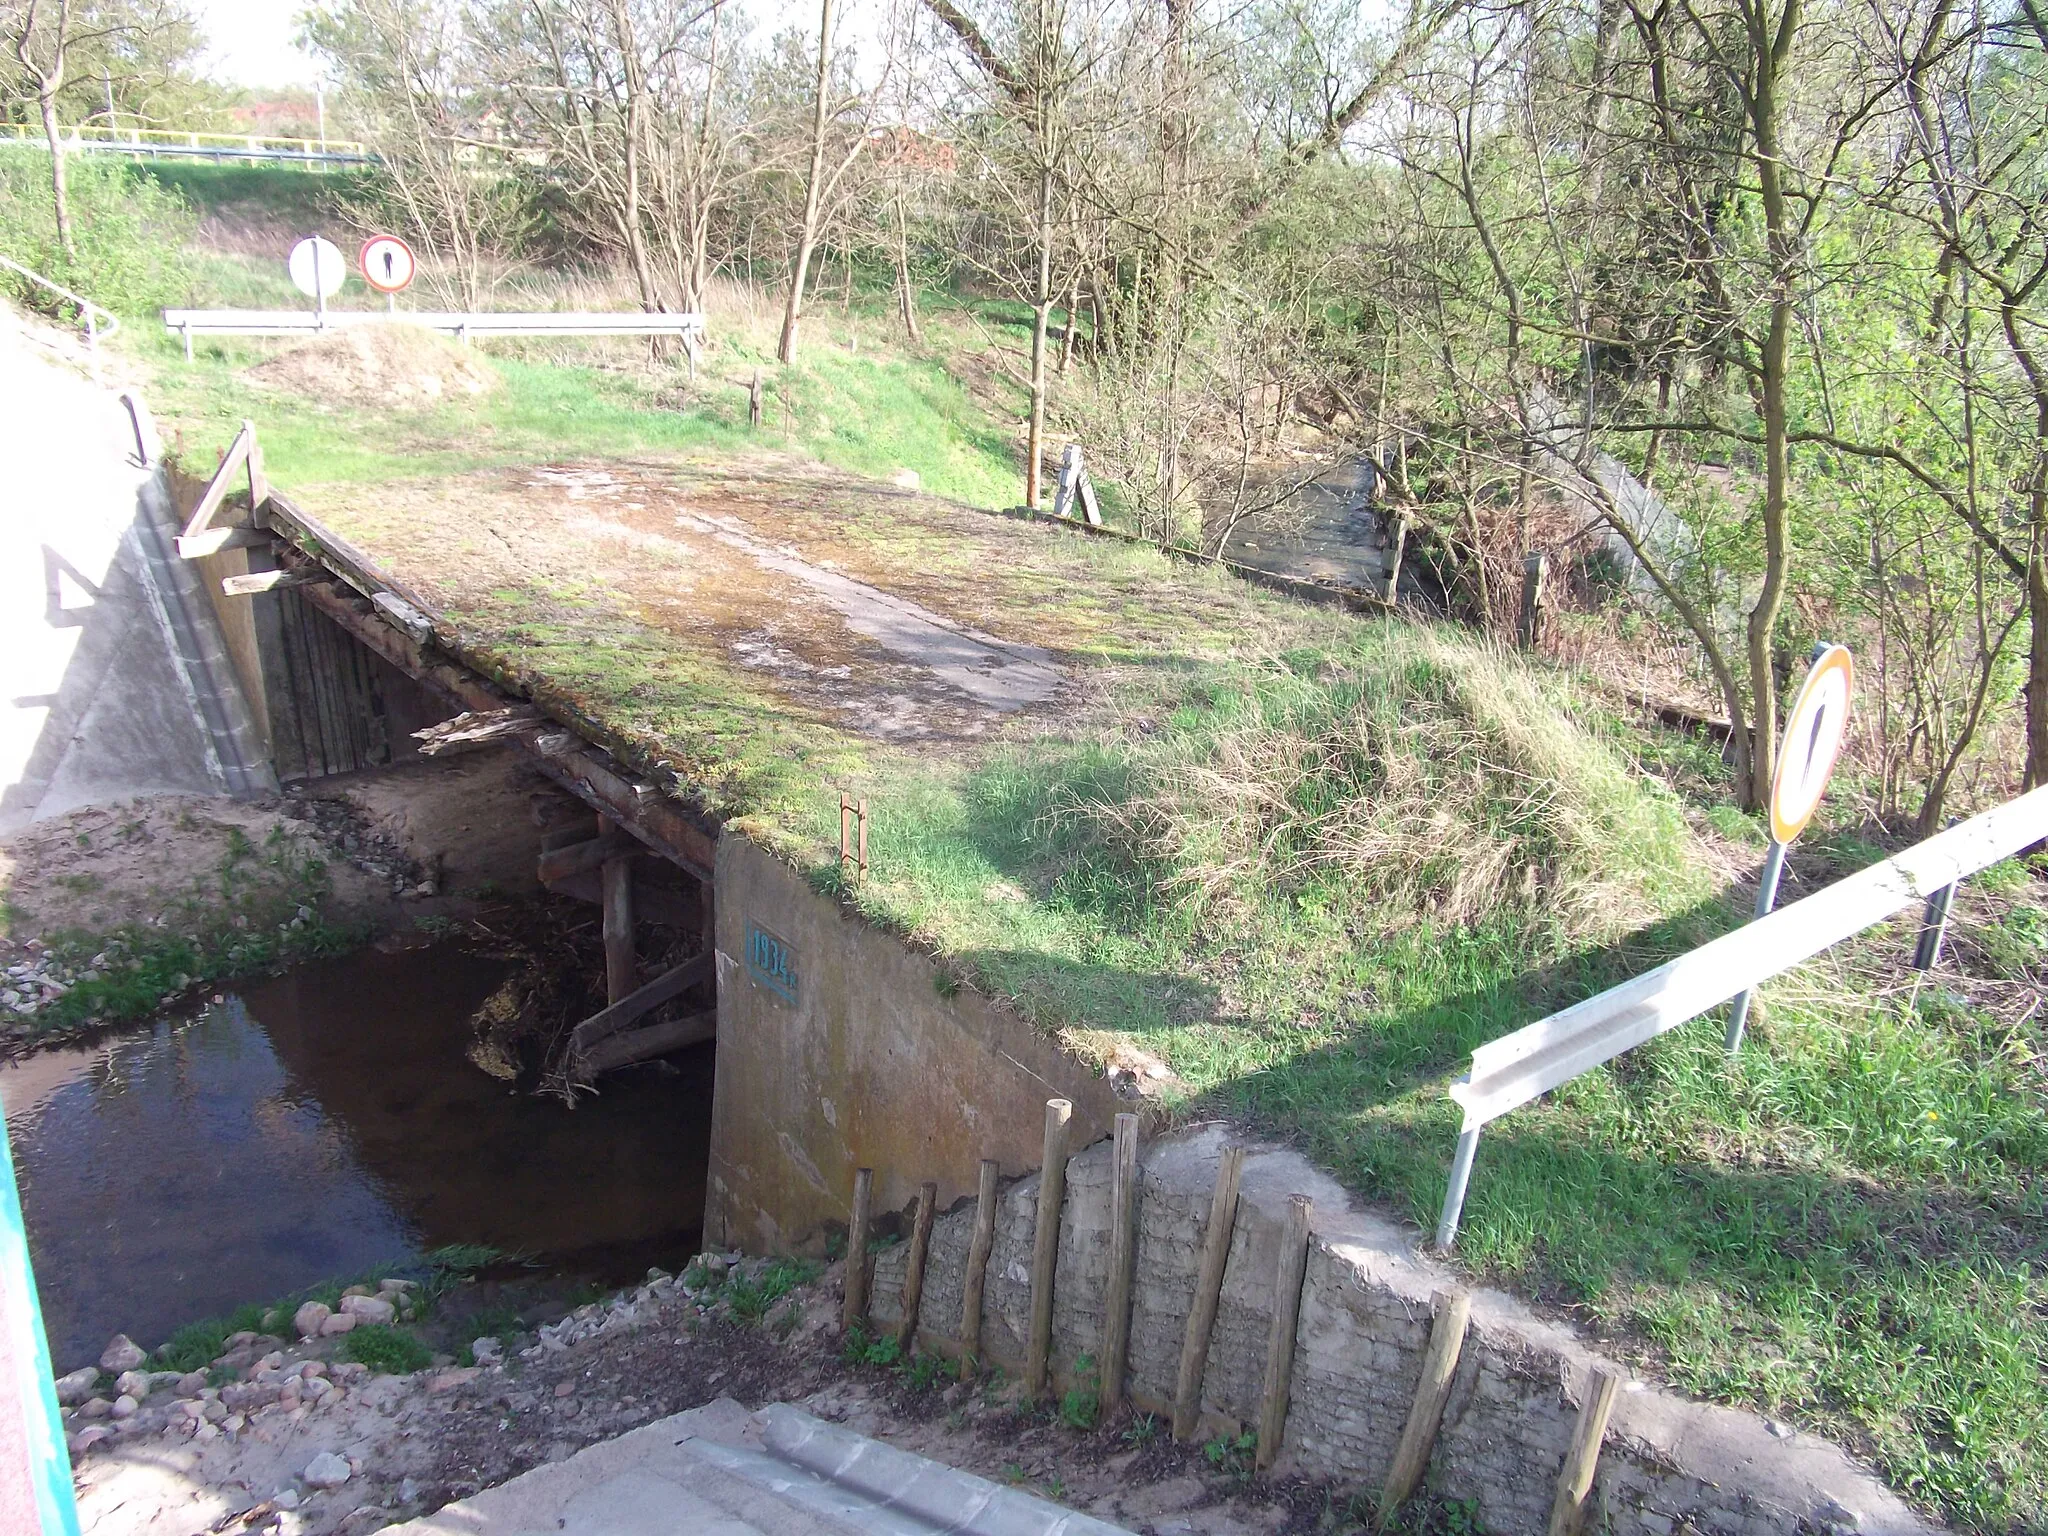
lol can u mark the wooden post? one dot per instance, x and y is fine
(971, 1281)
(1397, 545)
(754, 400)
(1194, 1348)
(856, 1308)
(1530, 631)
(1575, 1481)
(620, 971)
(1123, 1258)
(920, 1250)
(1418, 1435)
(1286, 1315)
(1045, 1247)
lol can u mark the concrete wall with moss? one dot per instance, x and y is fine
(861, 1056)
(1670, 1465)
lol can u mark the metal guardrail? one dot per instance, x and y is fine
(99, 320)
(465, 325)
(1509, 1072)
(90, 136)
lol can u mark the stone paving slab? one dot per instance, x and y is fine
(722, 1471)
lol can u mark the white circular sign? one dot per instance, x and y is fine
(387, 263)
(317, 267)
(1814, 732)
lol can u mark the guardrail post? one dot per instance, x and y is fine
(1766, 898)
(1933, 929)
(1454, 1197)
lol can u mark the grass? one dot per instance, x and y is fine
(391, 1350)
(259, 911)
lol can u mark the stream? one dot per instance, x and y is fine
(321, 1123)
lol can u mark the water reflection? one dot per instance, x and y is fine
(319, 1124)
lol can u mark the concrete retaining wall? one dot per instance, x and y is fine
(838, 1048)
(1670, 1465)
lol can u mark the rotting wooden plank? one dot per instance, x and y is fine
(1293, 1265)
(621, 963)
(657, 821)
(1575, 1480)
(855, 1309)
(631, 1045)
(920, 1250)
(215, 495)
(610, 1020)
(1426, 1413)
(473, 728)
(974, 1279)
(1123, 1255)
(1194, 1348)
(1045, 1247)
(581, 858)
(651, 903)
(267, 581)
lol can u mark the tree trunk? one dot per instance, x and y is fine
(906, 291)
(1034, 446)
(1771, 47)
(46, 98)
(814, 190)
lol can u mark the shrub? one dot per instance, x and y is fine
(130, 232)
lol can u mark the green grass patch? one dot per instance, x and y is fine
(259, 910)
(390, 1350)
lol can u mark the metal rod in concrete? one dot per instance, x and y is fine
(1293, 1267)
(1766, 898)
(1123, 1258)
(1194, 1347)
(913, 1271)
(1045, 1247)
(1432, 1391)
(971, 1282)
(1575, 1481)
(1454, 1196)
(855, 1310)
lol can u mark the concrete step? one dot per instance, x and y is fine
(722, 1471)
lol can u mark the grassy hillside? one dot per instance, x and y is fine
(1308, 862)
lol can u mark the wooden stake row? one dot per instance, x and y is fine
(1451, 1320)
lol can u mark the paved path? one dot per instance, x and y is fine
(721, 1471)
(106, 690)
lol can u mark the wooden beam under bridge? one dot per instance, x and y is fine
(586, 771)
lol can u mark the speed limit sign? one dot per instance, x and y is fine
(387, 263)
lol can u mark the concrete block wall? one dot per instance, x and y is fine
(1669, 1465)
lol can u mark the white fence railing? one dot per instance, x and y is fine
(176, 140)
(305, 322)
(97, 319)
(1507, 1073)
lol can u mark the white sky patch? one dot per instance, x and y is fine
(252, 42)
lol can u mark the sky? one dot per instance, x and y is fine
(250, 42)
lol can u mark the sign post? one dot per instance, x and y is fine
(317, 270)
(1814, 731)
(35, 1485)
(387, 265)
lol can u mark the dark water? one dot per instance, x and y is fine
(319, 1124)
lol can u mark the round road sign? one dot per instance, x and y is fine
(1814, 731)
(387, 263)
(317, 267)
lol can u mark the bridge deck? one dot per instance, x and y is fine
(774, 633)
